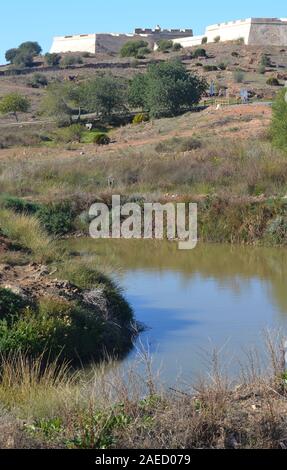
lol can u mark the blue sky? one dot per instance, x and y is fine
(32, 20)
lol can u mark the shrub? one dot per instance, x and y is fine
(210, 68)
(234, 54)
(142, 52)
(273, 81)
(279, 121)
(265, 60)
(140, 118)
(37, 80)
(222, 66)
(57, 218)
(52, 59)
(177, 144)
(21, 206)
(261, 69)
(217, 39)
(10, 303)
(200, 52)
(73, 133)
(177, 46)
(165, 45)
(101, 139)
(204, 40)
(131, 48)
(239, 76)
(69, 60)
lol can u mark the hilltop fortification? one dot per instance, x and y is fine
(112, 42)
(251, 31)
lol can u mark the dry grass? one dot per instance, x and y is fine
(28, 233)
(104, 409)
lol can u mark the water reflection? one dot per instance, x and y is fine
(215, 294)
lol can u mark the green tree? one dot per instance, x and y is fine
(23, 59)
(11, 54)
(14, 103)
(279, 120)
(56, 103)
(132, 48)
(30, 47)
(166, 89)
(23, 55)
(105, 95)
(137, 91)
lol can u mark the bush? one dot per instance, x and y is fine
(142, 52)
(200, 52)
(69, 60)
(101, 139)
(177, 46)
(165, 45)
(217, 39)
(222, 66)
(261, 69)
(57, 218)
(18, 205)
(239, 76)
(140, 118)
(204, 40)
(52, 59)
(279, 121)
(132, 48)
(38, 80)
(177, 144)
(73, 133)
(265, 60)
(10, 304)
(234, 54)
(210, 68)
(273, 81)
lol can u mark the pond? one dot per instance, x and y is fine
(215, 296)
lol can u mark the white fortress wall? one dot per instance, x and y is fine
(74, 43)
(229, 31)
(189, 42)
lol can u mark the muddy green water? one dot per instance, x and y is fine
(214, 296)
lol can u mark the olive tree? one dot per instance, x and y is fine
(14, 103)
(167, 88)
